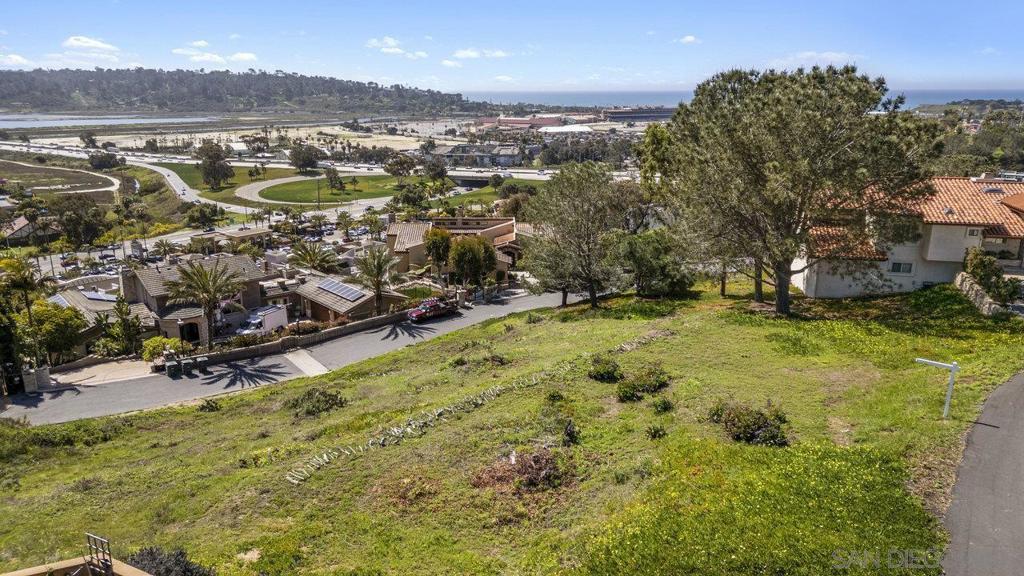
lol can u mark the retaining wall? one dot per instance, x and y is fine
(976, 294)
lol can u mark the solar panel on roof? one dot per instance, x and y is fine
(58, 300)
(99, 296)
(341, 289)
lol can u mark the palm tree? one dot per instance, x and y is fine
(267, 213)
(205, 286)
(164, 248)
(344, 221)
(315, 256)
(18, 275)
(377, 270)
(318, 220)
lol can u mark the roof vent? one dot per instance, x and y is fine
(992, 189)
(949, 211)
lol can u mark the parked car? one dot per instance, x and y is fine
(432, 308)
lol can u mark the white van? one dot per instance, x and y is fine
(265, 320)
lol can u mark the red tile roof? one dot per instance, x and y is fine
(967, 202)
(835, 242)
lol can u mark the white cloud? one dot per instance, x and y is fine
(689, 39)
(417, 55)
(451, 64)
(243, 57)
(88, 43)
(199, 43)
(392, 50)
(428, 37)
(503, 78)
(198, 55)
(13, 60)
(234, 36)
(385, 42)
(810, 58)
(472, 53)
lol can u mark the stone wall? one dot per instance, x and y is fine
(974, 292)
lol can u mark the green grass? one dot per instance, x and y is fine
(226, 193)
(870, 454)
(487, 194)
(305, 191)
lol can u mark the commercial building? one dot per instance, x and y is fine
(642, 114)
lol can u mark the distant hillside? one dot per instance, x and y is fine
(145, 90)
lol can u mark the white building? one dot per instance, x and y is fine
(964, 213)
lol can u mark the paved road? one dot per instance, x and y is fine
(159, 390)
(986, 518)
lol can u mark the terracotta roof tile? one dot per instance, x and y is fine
(833, 241)
(966, 202)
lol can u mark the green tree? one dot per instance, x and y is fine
(655, 261)
(314, 256)
(122, 331)
(305, 157)
(213, 164)
(344, 222)
(203, 215)
(164, 248)
(377, 270)
(437, 242)
(52, 328)
(18, 275)
(551, 266)
(760, 159)
(472, 258)
(400, 166)
(205, 286)
(572, 215)
(88, 139)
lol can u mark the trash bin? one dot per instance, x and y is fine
(28, 377)
(43, 377)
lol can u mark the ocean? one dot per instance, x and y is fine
(673, 98)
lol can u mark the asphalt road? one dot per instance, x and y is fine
(986, 519)
(159, 390)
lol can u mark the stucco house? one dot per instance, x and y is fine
(405, 239)
(964, 213)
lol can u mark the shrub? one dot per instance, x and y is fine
(303, 327)
(154, 347)
(210, 405)
(160, 562)
(458, 361)
(656, 431)
(555, 396)
(663, 405)
(605, 369)
(989, 275)
(317, 400)
(651, 379)
(571, 434)
(751, 425)
(497, 359)
(539, 470)
(628, 391)
(246, 340)
(532, 318)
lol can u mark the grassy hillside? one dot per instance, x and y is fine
(869, 453)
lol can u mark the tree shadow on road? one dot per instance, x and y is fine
(34, 400)
(394, 331)
(247, 374)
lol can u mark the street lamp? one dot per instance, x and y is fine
(953, 369)
(181, 333)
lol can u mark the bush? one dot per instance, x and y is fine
(663, 405)
(532, 318)
(651, 379)
(316, 401)
(656, 431)
(159, 562)
(540, 470)
(246, 340)
(210, 405)
(605, 369)
(555, 396)
(628, 391)
(989, 275)
(571, 434)
(154, 347)
(303, 327)
(751, 425)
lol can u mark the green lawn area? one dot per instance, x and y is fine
(226, 193)
(305, 191)
(487, 194)
(869, 458)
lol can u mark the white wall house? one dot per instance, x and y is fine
(964, 213)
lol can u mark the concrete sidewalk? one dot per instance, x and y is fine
(103, 373)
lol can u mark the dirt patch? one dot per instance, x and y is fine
(933, 477)
(643, 340)
(249, 556)
(407, 491)
(840, 431)
(536, 471)
(837, 382)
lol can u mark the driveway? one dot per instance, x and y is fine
(986, 519)
(158, 390)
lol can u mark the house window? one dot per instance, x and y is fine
(973, 231)
(901, 267)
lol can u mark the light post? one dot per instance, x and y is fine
(181, 333)
(953, 369)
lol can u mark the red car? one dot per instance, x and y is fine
(431, 308)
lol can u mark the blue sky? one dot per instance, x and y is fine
(525, 45)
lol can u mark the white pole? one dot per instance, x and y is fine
(953, 369)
